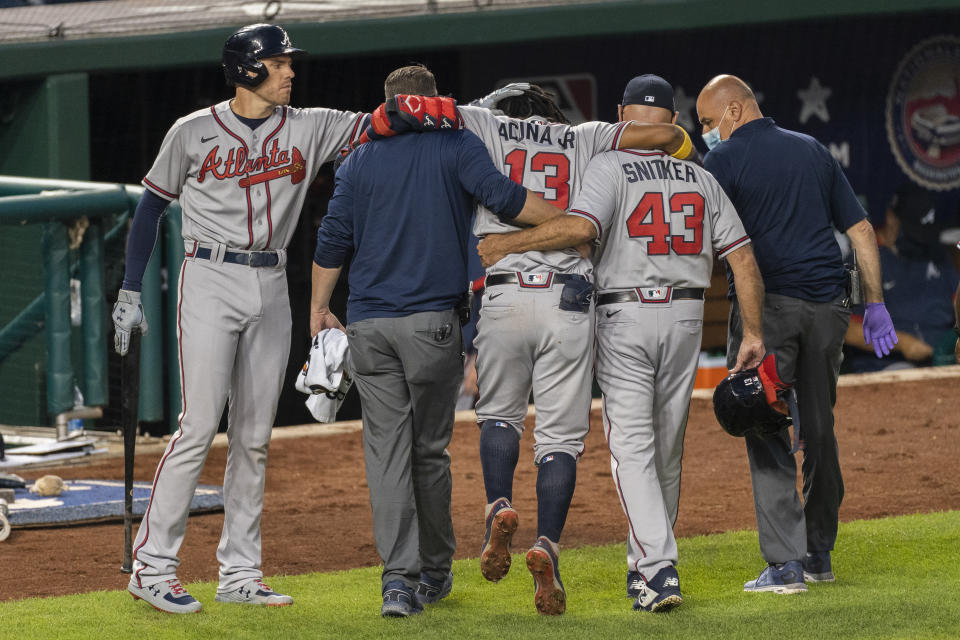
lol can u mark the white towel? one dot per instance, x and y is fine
(325, 376)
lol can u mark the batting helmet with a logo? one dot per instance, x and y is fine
(244, 50)
(744, 402)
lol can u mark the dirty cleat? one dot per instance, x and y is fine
(254, 592)
(550, 598)
(168, 596)
(661, 594)
(399, 601)
(816, 567)
(431, 590)
(786, 577)
(502, 521)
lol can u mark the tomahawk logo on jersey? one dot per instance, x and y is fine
(276, 164)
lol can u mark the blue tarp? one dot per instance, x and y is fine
(96, 500)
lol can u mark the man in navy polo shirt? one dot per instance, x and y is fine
(402, 206)
(790, 193)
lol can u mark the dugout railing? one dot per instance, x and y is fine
(81, 224)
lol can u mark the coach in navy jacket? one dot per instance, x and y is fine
(402, 207)
(790, 194)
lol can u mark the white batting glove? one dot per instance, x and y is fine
(127, 316)
(511, 90)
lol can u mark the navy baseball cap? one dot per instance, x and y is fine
(649, 90)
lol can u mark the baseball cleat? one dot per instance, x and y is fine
(431, 590)
(786, 577)
(399, 601)
(254, 592)
(502, 521)
(661, 594)
(634, 584)
(816, 567)
(542, 561)
(168, 596)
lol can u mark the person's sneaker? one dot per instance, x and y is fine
(634, 583)
(399, 601)
(661, 594)
(430, 590)
(501, 522)
(168, 596)
(255, 592)
(542, 561)
(786, 577)
(816, 567)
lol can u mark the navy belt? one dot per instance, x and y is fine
(249, 258)
(632, 296)
(513, 278)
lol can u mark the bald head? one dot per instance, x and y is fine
(726, 103)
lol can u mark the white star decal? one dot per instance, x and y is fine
(814, 100)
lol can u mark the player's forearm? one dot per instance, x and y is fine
(142, 238)
(558, 233)
(749, 288)
(668, 137)
(864, 240)
(324, 282)
(536, 211)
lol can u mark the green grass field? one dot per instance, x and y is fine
(896, 578)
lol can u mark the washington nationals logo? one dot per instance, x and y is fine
(275, 164)
(923, 113)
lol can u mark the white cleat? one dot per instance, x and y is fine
(168, 596)
(255, 592)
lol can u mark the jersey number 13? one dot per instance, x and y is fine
(555, 168)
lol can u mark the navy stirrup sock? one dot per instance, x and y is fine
(556, 479)
(499, 452)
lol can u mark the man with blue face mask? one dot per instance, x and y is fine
(790, 193)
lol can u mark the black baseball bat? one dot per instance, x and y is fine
(129, 410)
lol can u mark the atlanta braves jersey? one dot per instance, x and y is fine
(547, 158)
(209, 159)
(653, 214)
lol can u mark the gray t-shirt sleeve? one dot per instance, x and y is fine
(169, 170)
(597, 200)
(728, 232)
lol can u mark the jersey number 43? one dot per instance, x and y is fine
(648, 220)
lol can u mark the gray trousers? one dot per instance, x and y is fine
(408, 372)
(807, 338)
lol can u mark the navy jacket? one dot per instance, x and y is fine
(402, 206)
(790, 194)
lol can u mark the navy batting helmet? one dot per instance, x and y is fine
(744, 402)
(244, 50)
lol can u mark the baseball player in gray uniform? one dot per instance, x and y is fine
(536, 326)
(240, 170)
(658, 222)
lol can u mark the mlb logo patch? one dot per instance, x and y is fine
(655, 294)
(648, 98)
(534, 278)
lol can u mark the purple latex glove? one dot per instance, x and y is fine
(878, 329)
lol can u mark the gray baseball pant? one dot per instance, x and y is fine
(807, 338)
(408, 372)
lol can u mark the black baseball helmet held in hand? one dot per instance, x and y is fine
(745, 402)
(244, 50)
